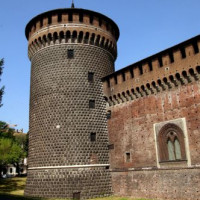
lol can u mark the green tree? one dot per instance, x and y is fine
(16, 155)
(2, 88)
(5, 147)
(10, 153)
(5, 131)
(13, 147)
(22, 140)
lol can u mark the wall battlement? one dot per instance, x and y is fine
(170, 68)
(72, 26)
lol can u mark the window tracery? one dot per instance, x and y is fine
(171, 143)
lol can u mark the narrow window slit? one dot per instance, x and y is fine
(70, 53)
(92, 137)
(91, 77)
(92, 104)
(171, 56)
(160, 61)
(128, 157)
(111, 146)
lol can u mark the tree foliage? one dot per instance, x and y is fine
(22, 141)
(13, 147)
(1, 88)
(6, 131)
(5, 147)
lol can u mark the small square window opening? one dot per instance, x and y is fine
(108, 114)
(92, 104)
(92, 137)
(128, 157)
(70, 54)
(91, 77)
(111, 146)
(77, 195)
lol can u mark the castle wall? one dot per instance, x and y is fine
(155, 74)
(139, 104)
(131, 127)
(177, 184)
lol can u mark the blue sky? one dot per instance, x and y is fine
(146, 27)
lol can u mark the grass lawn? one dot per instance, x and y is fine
(13, 189)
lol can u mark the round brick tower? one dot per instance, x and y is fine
(70, 51)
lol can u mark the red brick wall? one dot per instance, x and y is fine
(182, 184)
(131, 125)
(140, 96)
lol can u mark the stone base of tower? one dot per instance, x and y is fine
(69, 183)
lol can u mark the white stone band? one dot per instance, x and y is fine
(69, 166)
(70, 25)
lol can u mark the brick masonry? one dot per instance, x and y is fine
(63, 183)
(131, 125)
(63, 159)
(59, 107)
(176, 184)
(131, 129)
(141, 99)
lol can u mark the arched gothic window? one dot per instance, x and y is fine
(171, 143)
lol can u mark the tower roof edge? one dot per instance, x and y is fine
(70, 10)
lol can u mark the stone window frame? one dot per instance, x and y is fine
(164, 136)
(181, 123)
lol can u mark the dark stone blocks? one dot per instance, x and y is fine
(64, 183)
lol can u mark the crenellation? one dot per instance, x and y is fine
(37, 25)
(95, 21)
(166, 60)
(148, 70)
(45, 22)
(76, 18)
(136, 72)
(164, 84)
(103, 24)
(189, 50)
(64, 17)
(146, 67)
(54, 18)
(86, 19)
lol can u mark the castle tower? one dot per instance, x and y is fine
(70, 51)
